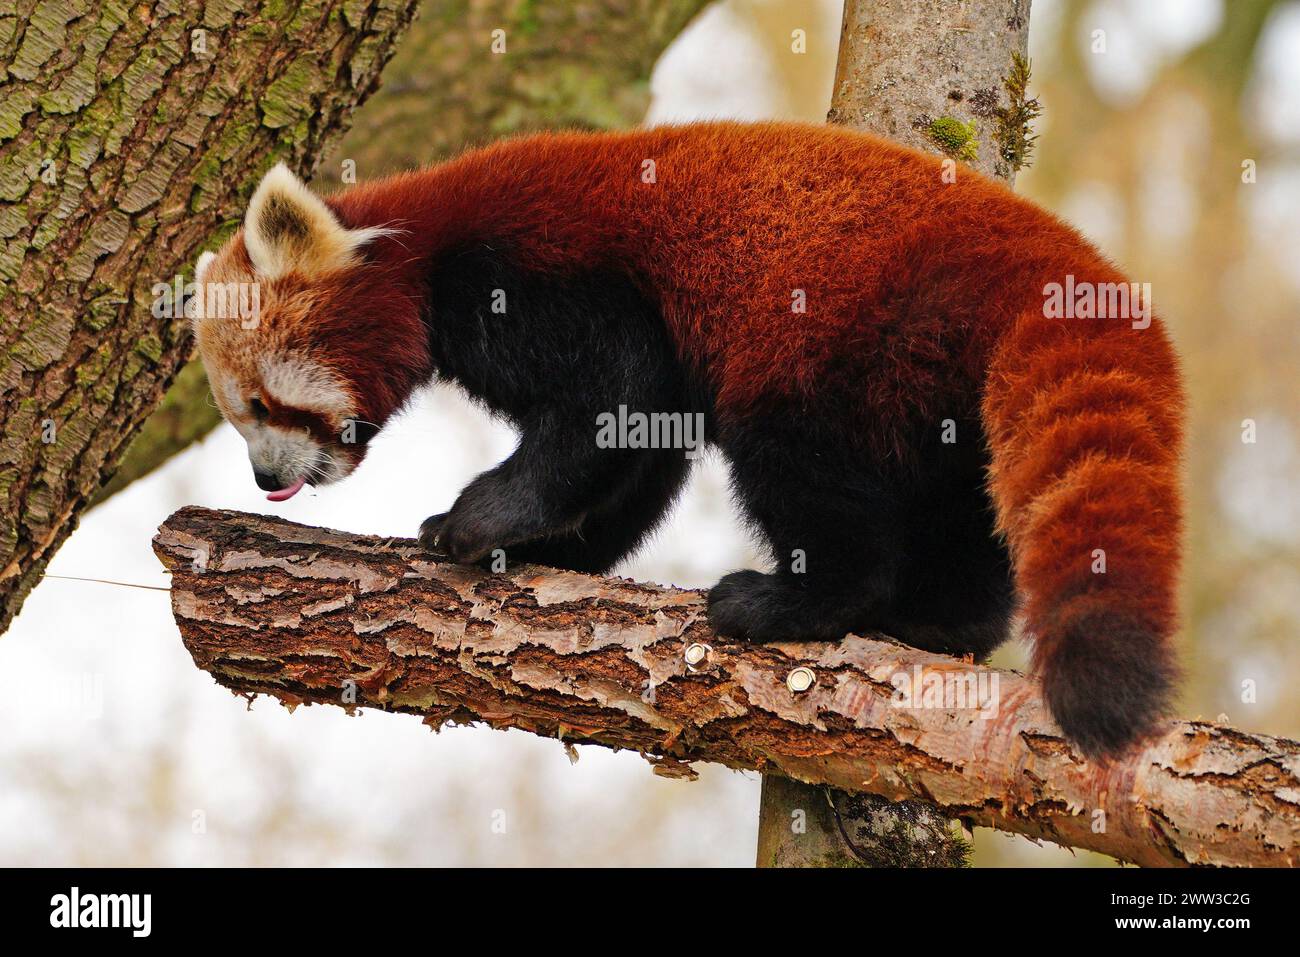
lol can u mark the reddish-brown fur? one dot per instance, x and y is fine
(924, 300)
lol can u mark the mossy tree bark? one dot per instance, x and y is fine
(130, 136)
(945, 76)
(938, 75)
(583, 63)
(186, 414)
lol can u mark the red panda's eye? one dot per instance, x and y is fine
(259, 409)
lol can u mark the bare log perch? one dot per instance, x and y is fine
(316, 616)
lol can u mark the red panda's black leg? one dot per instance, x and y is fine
(608, 531)
(561, 354)
(955, 593)
(556, 480)
(836, 531)
(613, 529)
(904, 545)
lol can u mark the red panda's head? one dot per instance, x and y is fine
(309, 333)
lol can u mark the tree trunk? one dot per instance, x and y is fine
(814, 825)
(933, 75)
(314, 616)
(942, 76)
(129, 136)
(583, 63)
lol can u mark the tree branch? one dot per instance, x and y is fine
(316, 616)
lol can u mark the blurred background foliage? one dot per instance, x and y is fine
(582, 63)
(1170, 134)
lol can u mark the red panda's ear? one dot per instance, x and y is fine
(288, 228)
(201, 267)
(193, 308)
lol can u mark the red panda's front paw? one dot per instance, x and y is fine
(465, 544)
(430, 530)
(758, 607)
(465, 534)
(459, 537)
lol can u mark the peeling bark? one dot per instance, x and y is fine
(312, 616)
(129, 137)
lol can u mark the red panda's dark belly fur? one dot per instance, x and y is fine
(869, 345)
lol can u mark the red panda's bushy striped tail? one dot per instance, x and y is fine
(1085, 420)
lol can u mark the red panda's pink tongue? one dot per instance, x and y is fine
(284, 494)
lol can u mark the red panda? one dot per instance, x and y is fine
(926, 420)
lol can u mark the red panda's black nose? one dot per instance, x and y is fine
(265, 481)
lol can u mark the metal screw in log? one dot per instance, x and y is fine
(800, 680)
(696, 655)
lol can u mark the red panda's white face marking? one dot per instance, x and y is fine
(294, 416)
(270, 372)
(297, 382)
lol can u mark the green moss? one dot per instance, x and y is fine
(149, 346)
(11, 258)
(236, 135)
(90, 371)
(354, 12)
(83, 147)
(277, 10)
(286, 101)
(222, 232)
(19, 170)
(527, 19)
(955, 138)
(13, 108)
(104, 311)
(1013, 131)
(219, 13)
(13, 219)
(308, 15)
